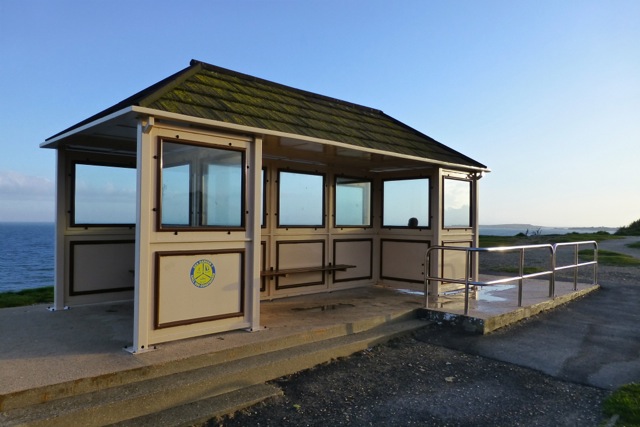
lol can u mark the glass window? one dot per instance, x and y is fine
(457, 203)
(175, 195)
(353, 202)
(223, 192)
(104, 195)
(201, 186)
(301, 199)
(406, 203)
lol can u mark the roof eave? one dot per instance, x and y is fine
(54, 141)
(261, 131)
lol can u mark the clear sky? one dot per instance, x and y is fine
(544, 92)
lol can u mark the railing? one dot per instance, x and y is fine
(551, 272)
(576, 264)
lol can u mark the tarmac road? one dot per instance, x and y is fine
(593, 341)
(553, 369)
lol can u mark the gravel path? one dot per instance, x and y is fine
(409, 382)
(419, 380)
(620, 245)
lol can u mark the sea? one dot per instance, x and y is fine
(26, 255)
(27, 250)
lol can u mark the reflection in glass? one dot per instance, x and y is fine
(353, 202)
(104, 194)
(175, 195)
(301, 199)
(405, 201)
(201, 186)
(223, 192)
(457, 203)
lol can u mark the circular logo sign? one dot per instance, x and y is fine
(202, 273)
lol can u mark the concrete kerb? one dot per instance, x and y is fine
(484, 324)
(256, 343)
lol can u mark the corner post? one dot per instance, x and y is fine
(254, 231)
(435, 207)
(62, 197)
(144, 222)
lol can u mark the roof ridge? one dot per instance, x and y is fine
(217, 68)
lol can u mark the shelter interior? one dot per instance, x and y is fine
(198, 220)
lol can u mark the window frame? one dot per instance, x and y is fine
(471, 202)
(428, 198)
(324, 197)
(264, 180)
(72, 196)
(335, 202)
(199, 187)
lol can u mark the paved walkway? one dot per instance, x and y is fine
(620, 245)
(594, 340)
(39, 348)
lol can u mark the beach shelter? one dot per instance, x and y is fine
(211, 191)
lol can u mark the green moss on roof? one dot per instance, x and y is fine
(214, 93)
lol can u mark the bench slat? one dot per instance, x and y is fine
(286, 271)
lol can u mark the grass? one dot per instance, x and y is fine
(635, 245)
(609, 258)
(26, 297)
(624, 402)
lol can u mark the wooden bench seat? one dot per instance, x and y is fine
(287, 271)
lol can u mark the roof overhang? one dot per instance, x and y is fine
(122, 124)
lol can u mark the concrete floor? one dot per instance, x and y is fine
(41, 348)
(497, 306)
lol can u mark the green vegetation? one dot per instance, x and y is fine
(522, 239)
(609, 258)
(632, 229)
(26, 297)
(635, 245)
(624, 402)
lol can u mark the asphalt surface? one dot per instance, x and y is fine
(554, 369)
(593, 341)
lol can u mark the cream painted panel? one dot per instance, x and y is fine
(453, 262)
(299, 254)
(197, 287)
(101, 266)
(353, 252)
(403, 260)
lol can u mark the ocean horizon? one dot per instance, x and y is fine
(27, 251)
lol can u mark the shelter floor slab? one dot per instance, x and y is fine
(40, 348)
(496, 306)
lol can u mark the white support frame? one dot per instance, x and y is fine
(60, 226)
(254, 231)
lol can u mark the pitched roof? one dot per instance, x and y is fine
(210, 92)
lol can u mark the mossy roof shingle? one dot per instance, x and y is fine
(209, 92)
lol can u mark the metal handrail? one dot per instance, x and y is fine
(468, 282)
(576, 264)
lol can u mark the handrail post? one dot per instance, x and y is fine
(466, 285)
(521, 273)
(595, 266)
(575, 270)
(427, 274)
(552, 279)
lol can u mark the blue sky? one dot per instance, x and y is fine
(546, 93)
